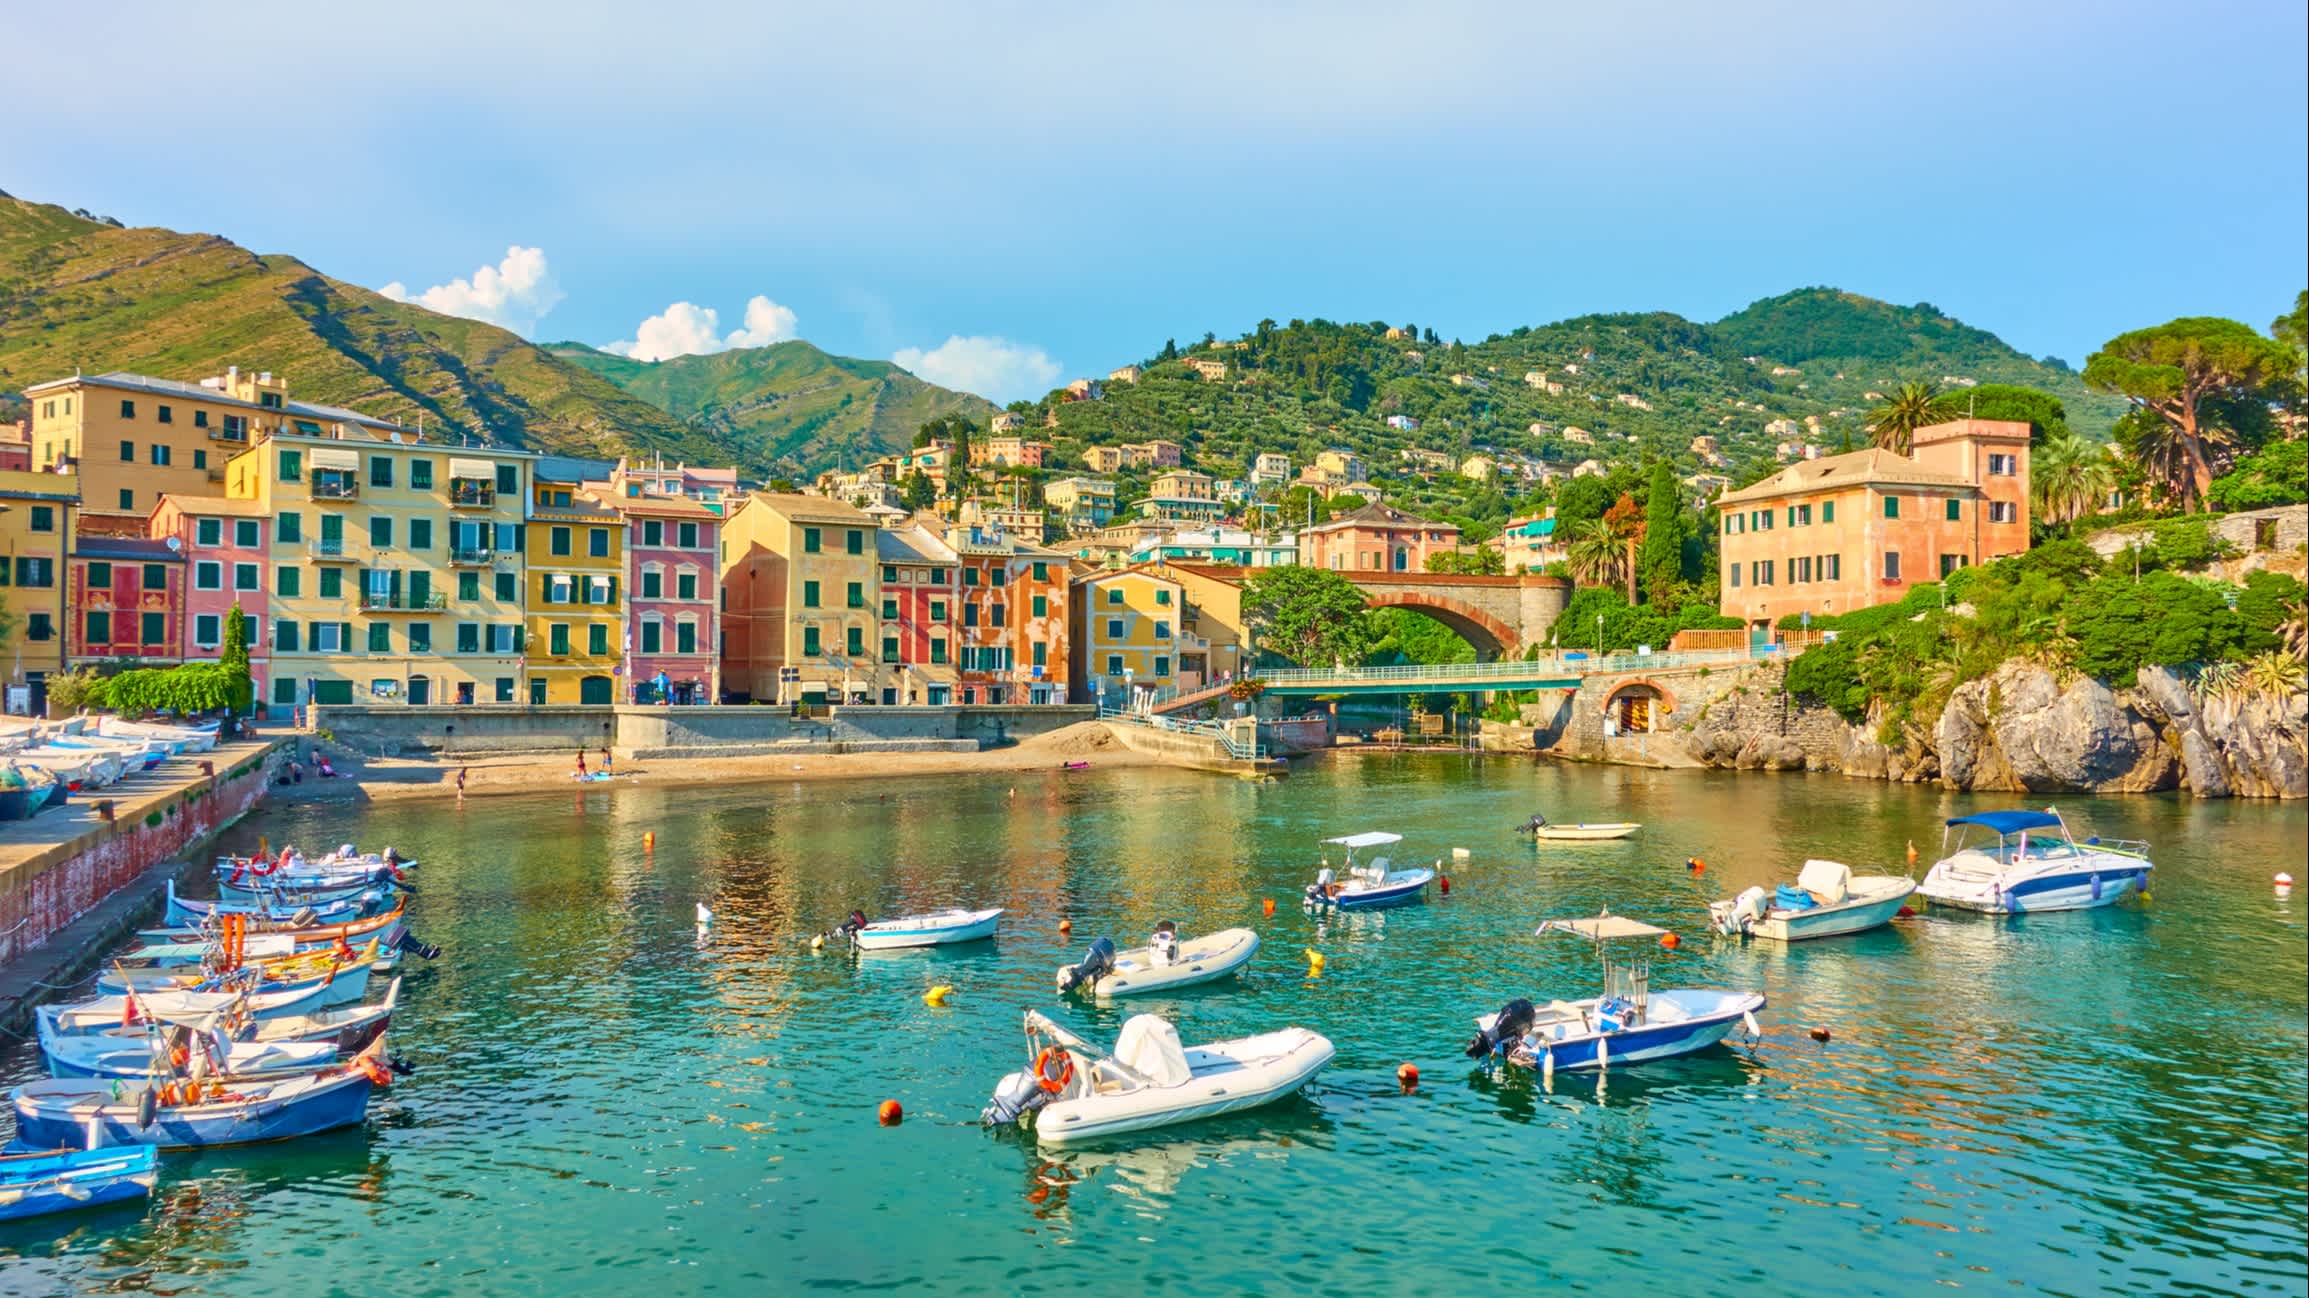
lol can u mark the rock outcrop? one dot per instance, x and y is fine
(2022, 730)
(2245, 746)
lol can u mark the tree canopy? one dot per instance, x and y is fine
(2191, 381)
(1309, 616)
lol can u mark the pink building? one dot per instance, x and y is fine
(1376, 538)
(228, 551)
(672, 632)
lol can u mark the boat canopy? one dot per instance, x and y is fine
(1375, 838)
(1600, 927)
(2010, 822)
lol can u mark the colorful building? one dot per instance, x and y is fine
(127, 601)
(1376, 538)
(1079, 504)
(227, 549)
(1126, 634)
(1850, 531)
(38, 522)
(799, 611)
(1010, 624)
(921, 587)
(1529, 544)
(1183, 495)
(397, 568)
(1214, 641)
(574, 648)
(131, 438)
(672, 598)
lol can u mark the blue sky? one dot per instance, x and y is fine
(1005, 196)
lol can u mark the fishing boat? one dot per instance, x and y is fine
(2025, 870)
(1166, 963)
(931, 928)
(154, 1054)
(266, 935)
(199, 1114)
(114, 1011)
(1366, 887)
(126, 1052)
(1543, 830)
(1629, 1024)
(180, 739)
(1827, 900)
(295, 910)
(1071, 1091)
(43, 1181)
(340, 973)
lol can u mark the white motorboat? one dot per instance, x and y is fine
(1827, 900)
(931, 928)
(1160, 966)
(2024, 871)
(180, 739)
(1073, 1092)
(1370, 886)
(1581, 833)
(1629, 1024)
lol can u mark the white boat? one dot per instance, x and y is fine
(86, 768)
(1827, 900)
(177, 1006)
(1629, 1024)
(1072, 1092)
(1159, 966)
(1370, 886)
(932, 928)
(180, 739)
(1581, 833)
(2022, 871)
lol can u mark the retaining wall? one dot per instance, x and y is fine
(641, 730)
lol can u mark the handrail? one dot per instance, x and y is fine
(1511, 669)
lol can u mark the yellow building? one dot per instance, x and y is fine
(801, 597)
(576, 601)
(131, 438)
(1126, 635)
(397, 568)
(38, 522)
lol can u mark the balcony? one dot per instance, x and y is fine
(467, 493)
(335, 488)
(388, 601)
(238, 435)
(331, 549)
(464, 556)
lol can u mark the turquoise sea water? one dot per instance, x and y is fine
(609, 1104)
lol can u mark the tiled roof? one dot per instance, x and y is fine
(1852, 469)
(1379, 516)
(216, 505)
(814, 509)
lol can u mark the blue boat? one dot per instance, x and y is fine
(61, 1180)
(1366, 887)
(276, 907)
(225, 1111)
(2034, 864)
(1628, 1024)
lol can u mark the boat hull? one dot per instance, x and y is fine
(1206, 1095)
(1405, 889)
(1208, 959)
(928, 930)
(57, 1120)
(2079, 889)
(1582, 833)
(1715, 1015)
(132, 1060)
(71, 1179)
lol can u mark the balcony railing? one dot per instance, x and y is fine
(465, 493)
(330, 547)
(336, 489)
(389, 601)
(471, 557)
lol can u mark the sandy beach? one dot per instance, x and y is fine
(363, 778)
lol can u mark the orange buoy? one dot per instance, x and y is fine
(1445, 881)
(891, 1113)
(1270, 905)
(1695, 865)
(1670, 941)
(1407, 1075)
(649, 841)
(1904, 913)
(1066, 926)
(1819, 1034)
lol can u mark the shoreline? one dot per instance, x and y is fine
(389, 779)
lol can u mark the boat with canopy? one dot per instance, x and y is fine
(1368, 886)
(2029, 861)
(1629, 1024)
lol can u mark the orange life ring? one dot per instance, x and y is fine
(373, 1070)
(1043, 1075)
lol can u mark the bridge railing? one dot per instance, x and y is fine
(1514, 669)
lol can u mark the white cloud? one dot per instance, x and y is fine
(995, 368)
(687, 329)
(513, 294)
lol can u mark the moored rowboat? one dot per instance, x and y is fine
(61, 1180)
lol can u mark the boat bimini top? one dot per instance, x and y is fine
(2010, 822)
(1376, 838)
(1601, 928)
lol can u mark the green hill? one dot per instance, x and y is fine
(788, 407)
(80, 294)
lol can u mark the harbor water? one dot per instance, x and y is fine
(610, 1100)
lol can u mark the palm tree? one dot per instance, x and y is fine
(1911, 406)
(2069, 477)
(1595, 553)
(2168, 459)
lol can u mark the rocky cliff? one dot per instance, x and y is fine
(2024, 730)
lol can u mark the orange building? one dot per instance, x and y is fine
(1849, 531)
(1376, 538)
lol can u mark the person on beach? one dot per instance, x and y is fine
(607, 761)
(461, 783)
(581, 763)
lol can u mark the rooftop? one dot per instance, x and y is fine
(1378, 516)
(127, 382)
(1852, 469)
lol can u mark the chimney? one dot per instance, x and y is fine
(232, 377)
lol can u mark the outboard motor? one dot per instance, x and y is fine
(1015, 1096)
(1319, 892)
(1097, 961)
(422, 950)
(1513, 1021)
(1734, 918)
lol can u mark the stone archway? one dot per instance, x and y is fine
(1491, 638)
(1638, 706)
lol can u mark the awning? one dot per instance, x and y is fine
(334, 457)
(485, 470)
(307, 427)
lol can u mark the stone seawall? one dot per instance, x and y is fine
(642, 731)
(62, 866)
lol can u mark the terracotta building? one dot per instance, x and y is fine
(1849, 531)
(1376, 538)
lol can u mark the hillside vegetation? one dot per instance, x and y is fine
(790, 408)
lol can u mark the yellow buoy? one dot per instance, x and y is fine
(1314, 963)
(936, 996)
(817, 941)
(648, 840)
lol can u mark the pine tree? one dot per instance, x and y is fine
(1660, 564)
(233, 659)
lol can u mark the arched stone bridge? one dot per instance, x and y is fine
(1500, 616)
